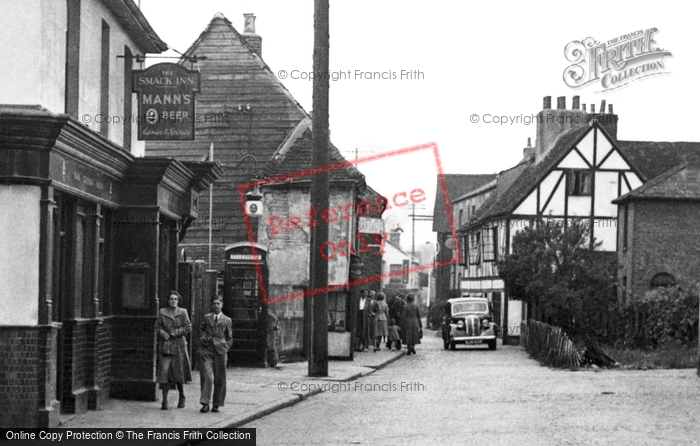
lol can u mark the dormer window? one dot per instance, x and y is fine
(580, 182)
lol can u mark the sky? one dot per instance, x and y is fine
(460, 60)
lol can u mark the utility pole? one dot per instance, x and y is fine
(415, 217)
(318, 274)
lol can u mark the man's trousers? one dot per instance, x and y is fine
(212, 373)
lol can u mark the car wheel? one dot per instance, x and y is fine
(492, 344)
(453, 346)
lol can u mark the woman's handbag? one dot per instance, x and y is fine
(168, 347)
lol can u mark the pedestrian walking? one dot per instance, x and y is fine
(394, 341)
(397, 312)
(413, 325)
(371, 308)
(361, 341)
(173, 324)
(215, 342)
(381, 319)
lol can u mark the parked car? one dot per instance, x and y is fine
(468, 320)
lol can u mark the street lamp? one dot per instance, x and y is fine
(253, 198)
(253, 201)
(356, 266)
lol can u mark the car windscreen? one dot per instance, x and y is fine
(469, 307)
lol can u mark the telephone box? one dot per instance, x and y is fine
(245, 275)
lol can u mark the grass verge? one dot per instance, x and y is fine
(666, 357)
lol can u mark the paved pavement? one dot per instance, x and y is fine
(251, 393)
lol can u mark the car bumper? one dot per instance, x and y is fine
(483, 338)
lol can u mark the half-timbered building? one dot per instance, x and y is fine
(466, 193)
(570, 177)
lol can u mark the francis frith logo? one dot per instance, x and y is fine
(614, 63)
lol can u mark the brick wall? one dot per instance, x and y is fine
(102, 365)
(86, 364)
(372, 262)
(663, 238)
(27, 377)
(133, 358)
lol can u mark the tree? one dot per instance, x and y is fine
(564, 281)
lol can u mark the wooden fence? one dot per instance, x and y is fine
(550, 345)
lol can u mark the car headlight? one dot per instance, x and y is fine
(460, 325)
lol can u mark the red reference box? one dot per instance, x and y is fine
(294, 223)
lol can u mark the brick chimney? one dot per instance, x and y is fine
(395, 237)
(606, 120)
(551, 124)
(528, 152)
(254, 40)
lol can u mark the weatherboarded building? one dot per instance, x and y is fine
(259, 131)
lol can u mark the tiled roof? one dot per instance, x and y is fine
(457, 185)
(680, 182)
(372, 196)
(649, 158)
(298, 159)
(653, 158)
(505, 203)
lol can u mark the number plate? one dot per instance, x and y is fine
(473, 342)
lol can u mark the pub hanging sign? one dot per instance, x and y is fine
(166, 102)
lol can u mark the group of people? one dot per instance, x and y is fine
(216, 338)
(397, 322)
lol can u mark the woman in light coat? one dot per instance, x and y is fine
(173, 324)
(381, 321)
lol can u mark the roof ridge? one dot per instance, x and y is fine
(291, 139)
(654, 182)
(253, 53)
(532, 175)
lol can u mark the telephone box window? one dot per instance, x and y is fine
(337, 311)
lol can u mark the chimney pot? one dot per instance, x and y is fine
(547, 103)
(529, 151)
(575, 104)
(561, 103)
(249, 23)
(602, 106)
(592, 108)
(584, 107)
(254, 40)
(610, 109)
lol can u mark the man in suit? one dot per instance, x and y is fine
(215, 341)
